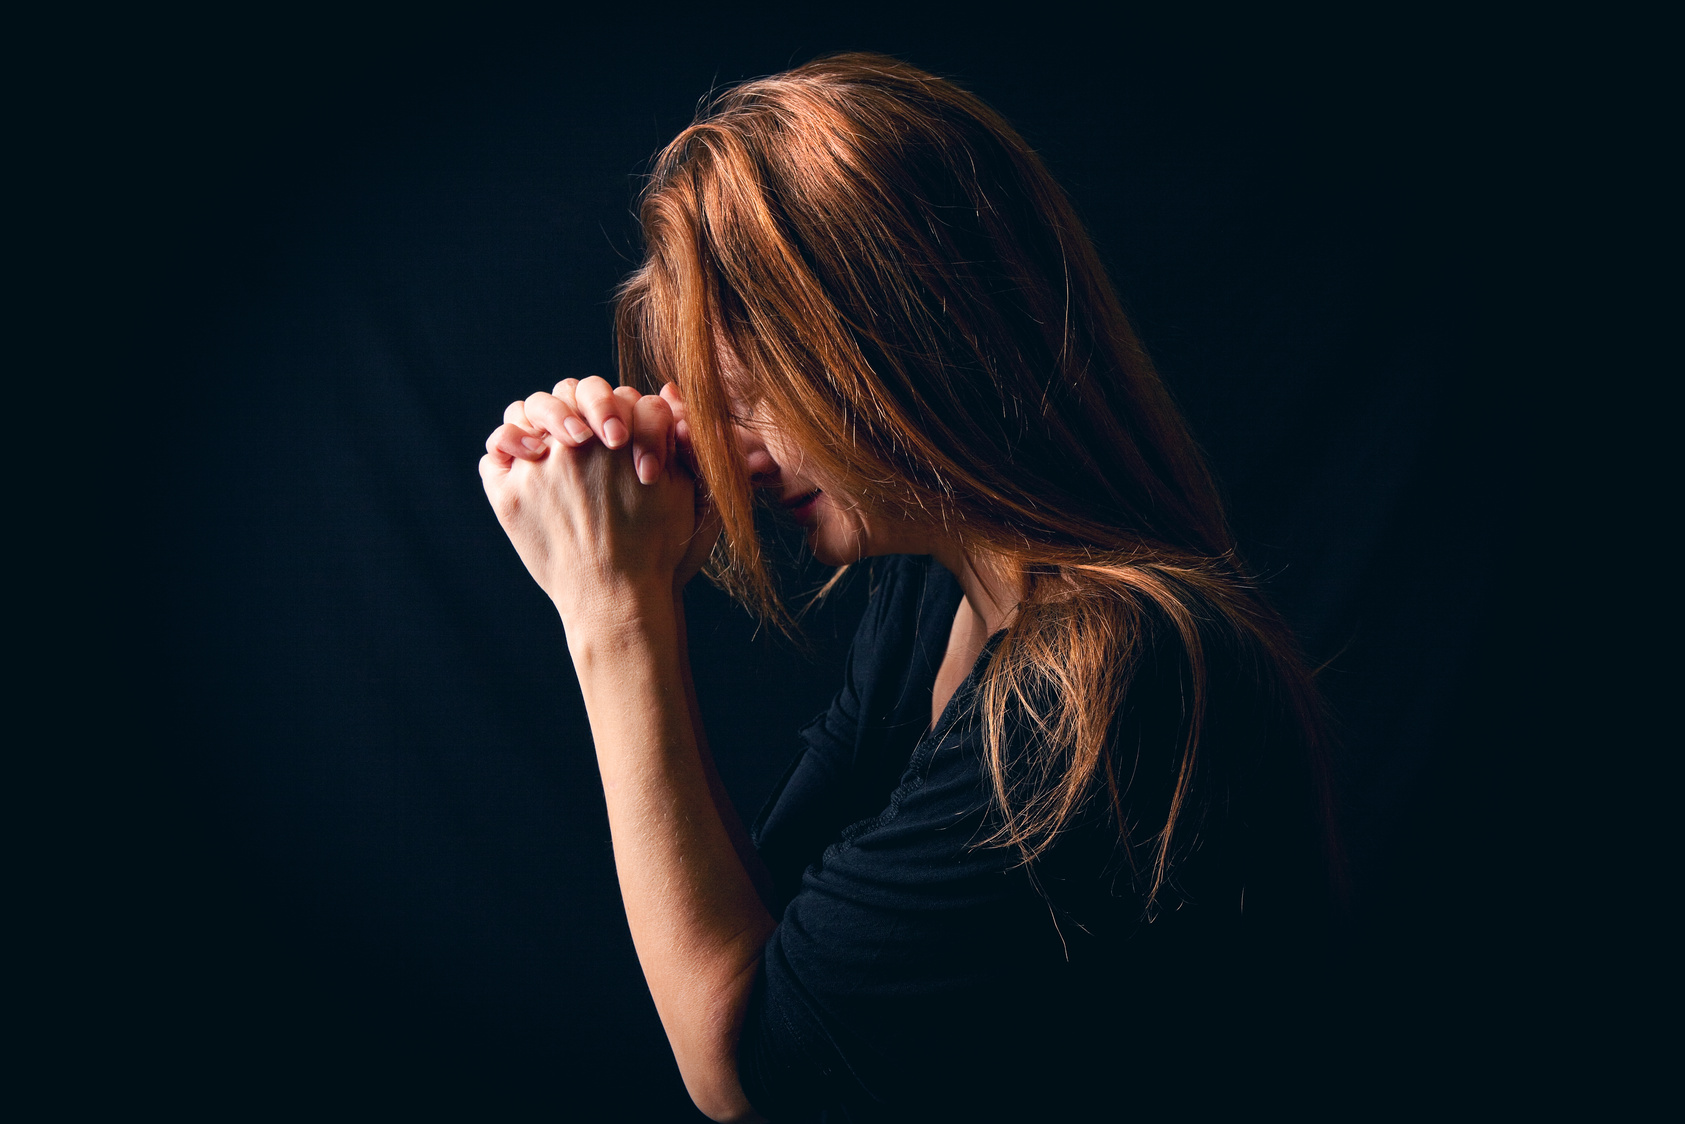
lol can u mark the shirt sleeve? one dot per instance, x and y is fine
(828, 786)
(903, 942)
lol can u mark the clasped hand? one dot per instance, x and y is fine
(594, 486)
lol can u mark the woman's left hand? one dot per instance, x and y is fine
(587, 485)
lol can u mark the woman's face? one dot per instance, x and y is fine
(840, 529)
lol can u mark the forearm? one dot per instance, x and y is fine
(696, 918)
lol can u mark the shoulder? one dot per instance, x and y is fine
(1182, 734)
(1220, 731)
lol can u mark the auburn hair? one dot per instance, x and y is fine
(917, 306)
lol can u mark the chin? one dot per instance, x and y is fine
(834, 546)
(828, 555)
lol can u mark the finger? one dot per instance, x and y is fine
(652, 437)
(629, 397)
(559, 417)
(675, 401)
(563, 391)
(578, 431)
(523, 439)
(608, 414)
(516, 415)
(681, 447)
(513, 441)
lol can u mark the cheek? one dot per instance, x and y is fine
(785, 457)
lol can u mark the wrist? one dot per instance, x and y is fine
(628, 612)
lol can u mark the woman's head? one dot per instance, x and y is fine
(863, 273)
(872, 261)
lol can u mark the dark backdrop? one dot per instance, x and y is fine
(374, 867)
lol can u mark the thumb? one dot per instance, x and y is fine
(681, 420)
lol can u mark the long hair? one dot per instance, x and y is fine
(919, 309)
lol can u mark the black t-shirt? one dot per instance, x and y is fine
(917, 972)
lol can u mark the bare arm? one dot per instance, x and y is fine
(695, 914)
(610, 543)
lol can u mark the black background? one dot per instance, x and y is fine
(367, 863)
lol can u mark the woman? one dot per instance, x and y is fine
(1064, 814)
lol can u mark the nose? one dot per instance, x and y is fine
(763, 469)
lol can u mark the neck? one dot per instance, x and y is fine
(992, 590)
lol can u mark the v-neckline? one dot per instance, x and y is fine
(948, 651)
(951, 596)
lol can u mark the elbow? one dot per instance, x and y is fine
(710, 1073)
(711, 1078)
(741, 1113)
(723, 1101)
(707, 1054)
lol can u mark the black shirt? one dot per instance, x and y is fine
(918, 973)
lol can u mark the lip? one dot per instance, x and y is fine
(801, 507)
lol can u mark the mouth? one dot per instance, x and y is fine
(801, 507)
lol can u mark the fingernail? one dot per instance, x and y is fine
(614, 433)
(577, 429)
(646, 468)
(533, 444)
